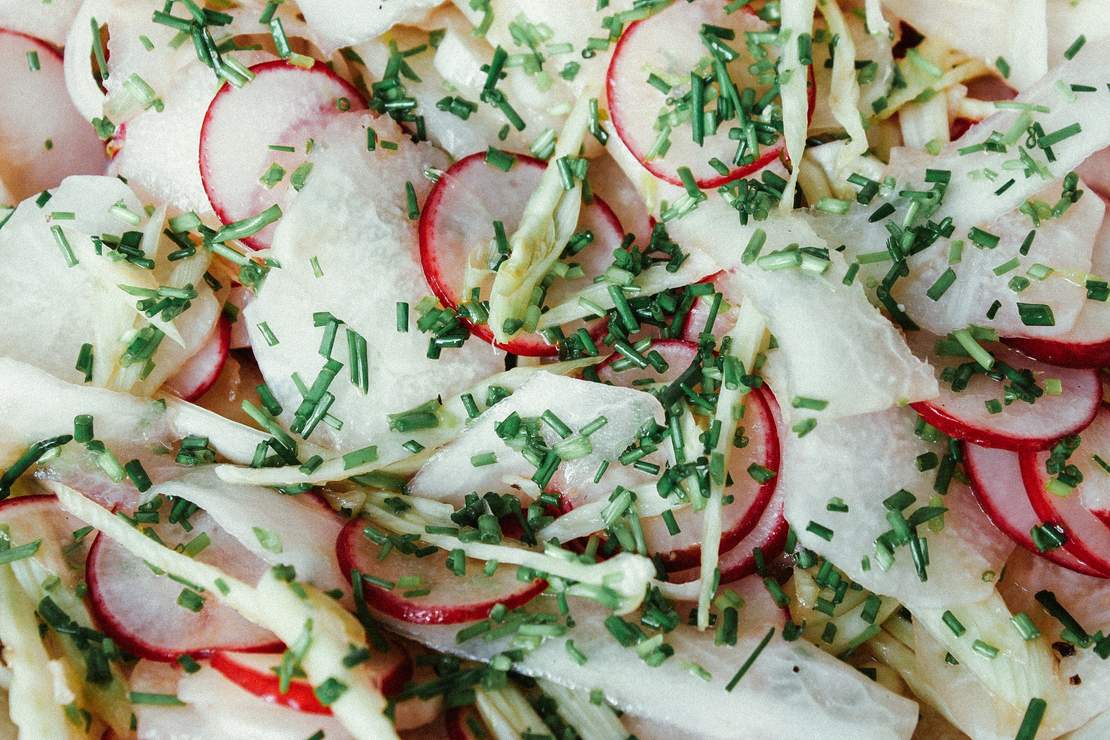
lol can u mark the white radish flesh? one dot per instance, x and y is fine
(1019, 425)
(139, 609)
(283, 106)
(42, 136)
(201, 371)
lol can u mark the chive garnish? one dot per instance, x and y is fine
(751, 659)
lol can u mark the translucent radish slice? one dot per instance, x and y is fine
(257, 673)
(998, 487)
(1087, 344)
(456, 222)
(769, 535)
(284, 106)
(1088, 538)
(670, 46)
(42, 136)
(201, 371)
(139, 609)
(451, 599)
(1020, 425)
(750, 498)
(677, 353)
(1094, 491)
(702, 307)
(29, 518)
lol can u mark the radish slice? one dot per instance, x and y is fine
(464, 723)
(283, 106)
(1093, 493)
(727, 314)
(42, 136)
(452, 600)
(139, 609)
(201, 371)
(769, 535)
(1088, 538)
(1020, 425)
(38, 516)
(677, 353)
(256, 672)
(998, 486)
(455, 222)
(1087, 343)
(750, 498)
(215, 707)
(635, 104)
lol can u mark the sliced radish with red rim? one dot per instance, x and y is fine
(1019, 425)
(1087, 536)
(1087, 343)
(450, 599)
(140, 611)
(43, 138)
(702, 307)
(999, 488)
(457, 222)
(750, 498)
(202, 369)
(670, 46)
(769, 535)
(677, 353)
(256, 672)
(247, 130)
(39, 517)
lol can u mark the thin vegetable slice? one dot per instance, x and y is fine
(200, 372)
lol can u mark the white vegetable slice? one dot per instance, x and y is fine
(864, 460)
(215, 707)
(450, 474)
(823, 696)
(336, 23)
(796, 19)
(351, 217)
(987, 30)
(35, 406)
(48, 21)
(290, 530)
(34, 701)
(982, 276)
(817, 351)
(39, 149)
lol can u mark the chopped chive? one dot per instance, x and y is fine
(1030, 723)
(1075, 47)
(1036, 314)
(750, 661)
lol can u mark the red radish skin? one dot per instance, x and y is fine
(999, 488)
(1020, 426)
(38, 110)
(699, 313)
(201, 371)
(683, 550)
(231, 163)
(252, 671)
(769, 535)
(453, 599)
(138, 609)
(626, 86)
(458, 723)
(1088, 539)
(1087, 343)
(1065, 354)
(454, 221)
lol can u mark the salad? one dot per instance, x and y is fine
(554, 369)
